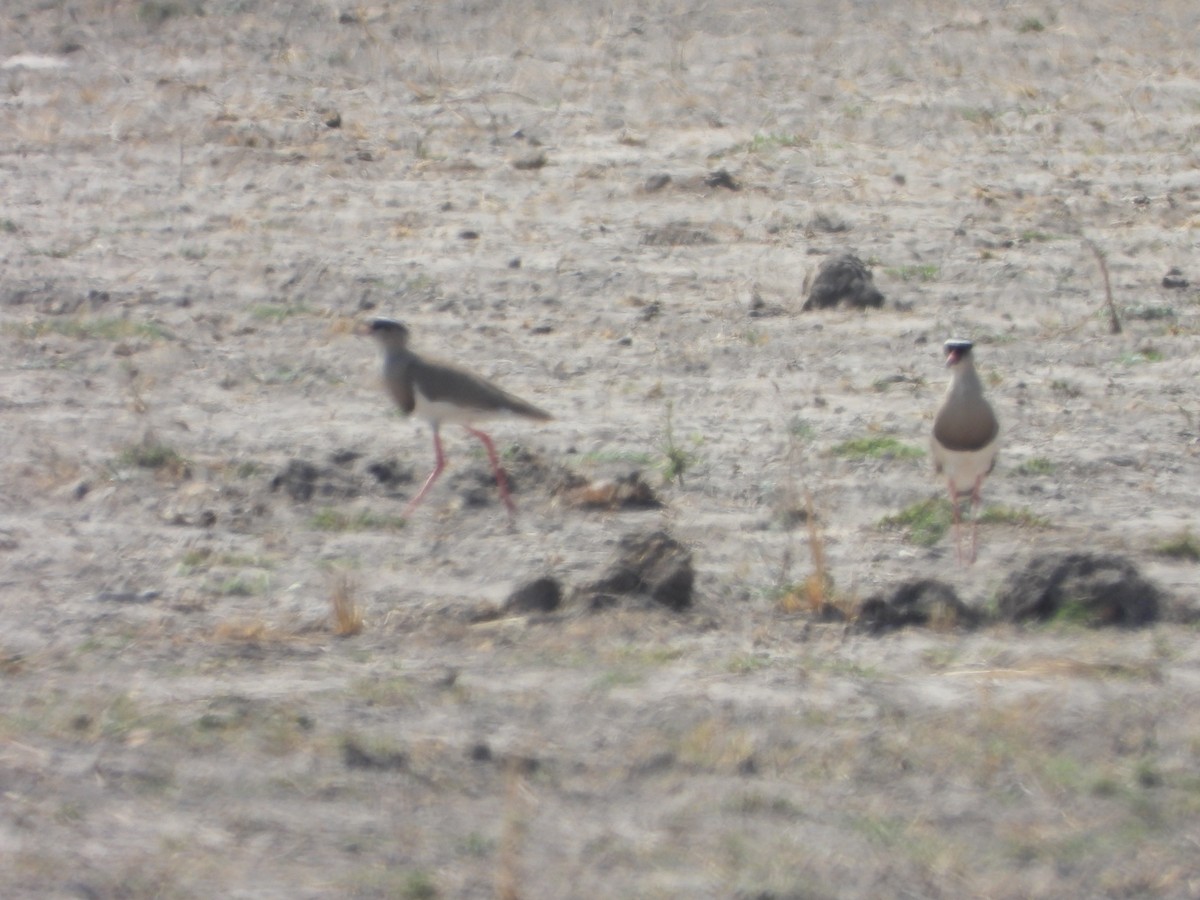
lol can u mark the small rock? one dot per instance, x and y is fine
(843, 278)
(389, 472)
(758, 308)
(656, 182)
(542, 595)
(828, 224)
(532, 136)
(356, 756)
(676, 234)
(723, 179)
(298, 478)
(530, 161)
(344, 457)
(302, 480)
(127, 596)
(627, 491)
(1093, 588)
(1174, 279)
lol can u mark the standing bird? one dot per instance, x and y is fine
(440, 392)
(964, 441)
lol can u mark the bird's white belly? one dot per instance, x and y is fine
(443, 411)
(963, 468)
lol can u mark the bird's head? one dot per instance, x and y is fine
(388, 332)
(957, 350)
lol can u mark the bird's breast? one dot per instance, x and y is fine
(449, 412)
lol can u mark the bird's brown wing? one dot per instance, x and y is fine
(448, 383)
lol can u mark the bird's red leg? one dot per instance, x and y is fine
(501, 478)
(976, 504)
(957, 528)
(433, 476)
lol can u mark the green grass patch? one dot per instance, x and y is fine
(619, 678)
(330, 519)
(625, 457)
(1147, 355)
(156, 12)
(1072, 611)
(108, 328)
(152, 455)
(1147, 313)
(745, 663)
(977, 115)
(243, 585)
(1033, 236)
(385, 691)
(1035, 465)
(676, 459)
(1009, 515)
(631, 665)
(1184, 546)
(201, 559)
(277, 312)
(754, 803)
(476, 845)
(761, 143)
(801, 429)
(922, 273)
(924, 523)
(879, 447)
(247, 469)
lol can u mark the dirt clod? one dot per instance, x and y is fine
(542, 595)
(653, 566)
(920, 602)
(1094, 589)
(843, 279)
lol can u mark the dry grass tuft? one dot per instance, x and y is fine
(347, 611)
(516, 815)
(817, 584)
(813, 594)
(252, 631)
(1114, 320)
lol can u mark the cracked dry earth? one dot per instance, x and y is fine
(612, 210)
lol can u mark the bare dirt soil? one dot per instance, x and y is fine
(202, 199)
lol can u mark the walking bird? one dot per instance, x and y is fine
(441, 392)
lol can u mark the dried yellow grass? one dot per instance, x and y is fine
(343, 599)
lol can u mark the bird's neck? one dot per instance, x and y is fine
(966, 382)
(396, 360)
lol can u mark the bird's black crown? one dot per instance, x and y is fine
(962, 345)
(381, 325)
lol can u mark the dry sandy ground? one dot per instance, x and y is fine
(202, 198)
